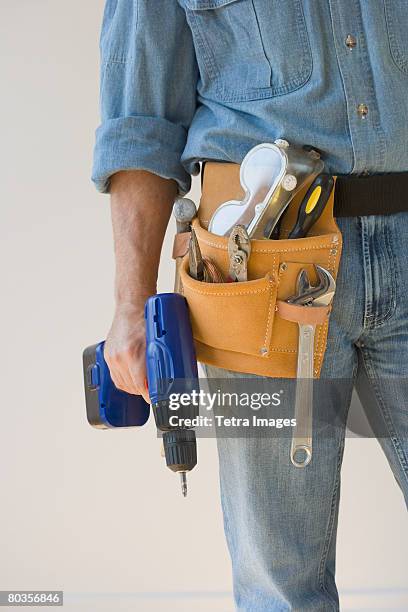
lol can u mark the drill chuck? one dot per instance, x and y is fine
(180, 449)
(180, 446)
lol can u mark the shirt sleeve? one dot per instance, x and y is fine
(147, 90)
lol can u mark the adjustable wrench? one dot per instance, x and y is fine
(312, 297)
(306, 293)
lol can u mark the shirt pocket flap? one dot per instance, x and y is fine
(249, 50)
(202, 5)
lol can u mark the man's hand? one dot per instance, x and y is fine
(125, 349)
(141, 204)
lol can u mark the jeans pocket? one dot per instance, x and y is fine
(249, 49)
(396, 12)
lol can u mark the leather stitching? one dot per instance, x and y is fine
(257, 250)
(227, 293)
(272, 302)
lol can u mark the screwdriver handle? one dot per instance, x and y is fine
(312, 205)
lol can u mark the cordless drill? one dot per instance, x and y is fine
(171, 367)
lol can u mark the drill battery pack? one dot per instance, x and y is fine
(106, 406)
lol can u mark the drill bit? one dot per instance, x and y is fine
(183, 478)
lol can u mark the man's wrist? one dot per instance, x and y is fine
(131, 300)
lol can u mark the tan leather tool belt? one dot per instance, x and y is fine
(248, 326)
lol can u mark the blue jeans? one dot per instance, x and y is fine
(280, 521)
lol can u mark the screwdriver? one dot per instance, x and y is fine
(312, 205)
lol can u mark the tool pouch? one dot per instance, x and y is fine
(247, 326)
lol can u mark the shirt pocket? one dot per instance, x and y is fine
(396, 13)
(250, 49)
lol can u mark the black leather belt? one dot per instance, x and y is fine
(376, 194)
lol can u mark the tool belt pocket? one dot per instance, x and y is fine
(248, 326)
(230, 317)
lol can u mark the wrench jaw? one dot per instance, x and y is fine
(325, 298)
(303, 285)
(313, 295)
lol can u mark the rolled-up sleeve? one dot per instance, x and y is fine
(147, 90)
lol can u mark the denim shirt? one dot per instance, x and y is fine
(189, 80)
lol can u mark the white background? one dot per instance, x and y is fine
(95, 512)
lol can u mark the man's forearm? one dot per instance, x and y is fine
(141, 205)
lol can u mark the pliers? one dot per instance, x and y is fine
(239, 250)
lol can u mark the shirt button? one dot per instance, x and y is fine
(362, 110)
(351, 41)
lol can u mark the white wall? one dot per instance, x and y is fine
(96, 513)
